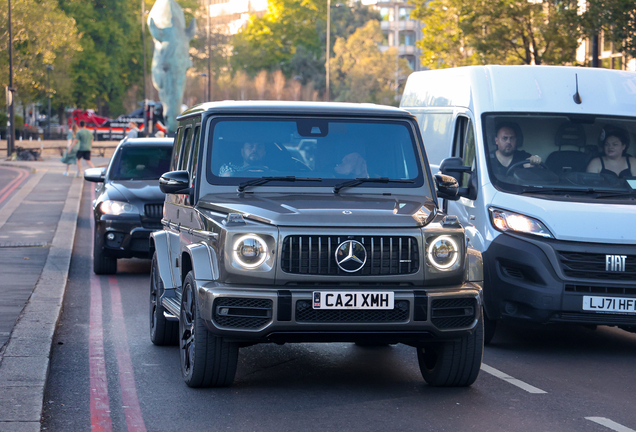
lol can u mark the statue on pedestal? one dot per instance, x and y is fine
(171, 58)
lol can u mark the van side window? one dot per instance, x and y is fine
(464, 145)
(176, 150)
(435, 128)
(185, 154)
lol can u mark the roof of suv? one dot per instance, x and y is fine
(295, 108)
(146, 141)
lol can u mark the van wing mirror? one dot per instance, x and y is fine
(454, 167)
(175, 182)
(447, 187)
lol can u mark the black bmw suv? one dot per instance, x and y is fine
(128, 203)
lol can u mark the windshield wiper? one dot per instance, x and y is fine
(359, 181)
(540, 190)
(263, 180)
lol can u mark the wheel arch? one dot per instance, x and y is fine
(159, 243)
(201, 260)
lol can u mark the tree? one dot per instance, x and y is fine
(361, 73)
(616, 19)
(499, 31)
(42, 36)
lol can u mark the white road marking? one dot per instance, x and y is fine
(522, 385)
(610, 424)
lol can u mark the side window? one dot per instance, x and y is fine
(464, 145)
(435, 128)
(185, 153)
(195, 156)
(176, 150)
(469, 153)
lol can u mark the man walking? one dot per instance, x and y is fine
(85, 139)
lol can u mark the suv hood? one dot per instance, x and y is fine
(325, 210)
(139, 190)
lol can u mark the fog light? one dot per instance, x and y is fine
(110, 236)
(224, 311)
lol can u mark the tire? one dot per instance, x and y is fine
(206, 360)
(453, 363)
(490, 326)
(162, 331)
(102, 265)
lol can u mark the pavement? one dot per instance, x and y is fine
(37, 231)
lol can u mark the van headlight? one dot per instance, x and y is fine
(250, 251)
(504, 220)
(442, 252)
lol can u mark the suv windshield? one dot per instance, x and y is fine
(141, 163)
(557, 154)
(331, 150)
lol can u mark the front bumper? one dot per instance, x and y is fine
(248, 314)
(545, 280)
(131, 239)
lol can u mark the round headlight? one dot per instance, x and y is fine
(443, 252)
(250, 251)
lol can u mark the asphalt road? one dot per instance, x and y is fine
(106, 375)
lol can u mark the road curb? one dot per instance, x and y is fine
(24, 365)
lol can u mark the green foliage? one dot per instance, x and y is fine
(291, 37)
(361, 73)
(42, 36)
(616, 19)
(498, 31)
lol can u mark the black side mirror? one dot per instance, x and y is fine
(454, 167)
(95, 175)
(447, 187)
(175, 182)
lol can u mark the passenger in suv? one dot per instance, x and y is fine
(302, 250)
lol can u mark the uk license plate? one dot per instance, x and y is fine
(353, 300)
(609, 304)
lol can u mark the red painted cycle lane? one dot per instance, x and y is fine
(134, 419)
(6, 191)
(100, 404)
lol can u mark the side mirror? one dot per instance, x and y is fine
(174, 182)
(454, 167)
(95, 175)
(447, 187)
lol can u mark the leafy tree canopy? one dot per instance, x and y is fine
(616, 19)
(42, 36)
(498, 31)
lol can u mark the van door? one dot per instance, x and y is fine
(470, 210)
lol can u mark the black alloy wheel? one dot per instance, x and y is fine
(206, 360)
(162, 331)
(453, 363)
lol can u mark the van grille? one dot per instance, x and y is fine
(592, 266)
(315, 255)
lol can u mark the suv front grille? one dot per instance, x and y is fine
(153, 211)
(315, 255)
(592, 266)
(305, 313)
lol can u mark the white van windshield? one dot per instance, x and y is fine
(558, 154)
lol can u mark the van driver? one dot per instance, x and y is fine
(507, 154)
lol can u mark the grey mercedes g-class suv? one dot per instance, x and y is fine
(310, 222)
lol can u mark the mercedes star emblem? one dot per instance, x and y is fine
(351, 256)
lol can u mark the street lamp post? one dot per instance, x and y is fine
(207, 93)
(328, 96)
(48, 84)
(11, 131)
(208, 52)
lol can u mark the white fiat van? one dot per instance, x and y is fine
(558, 235)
